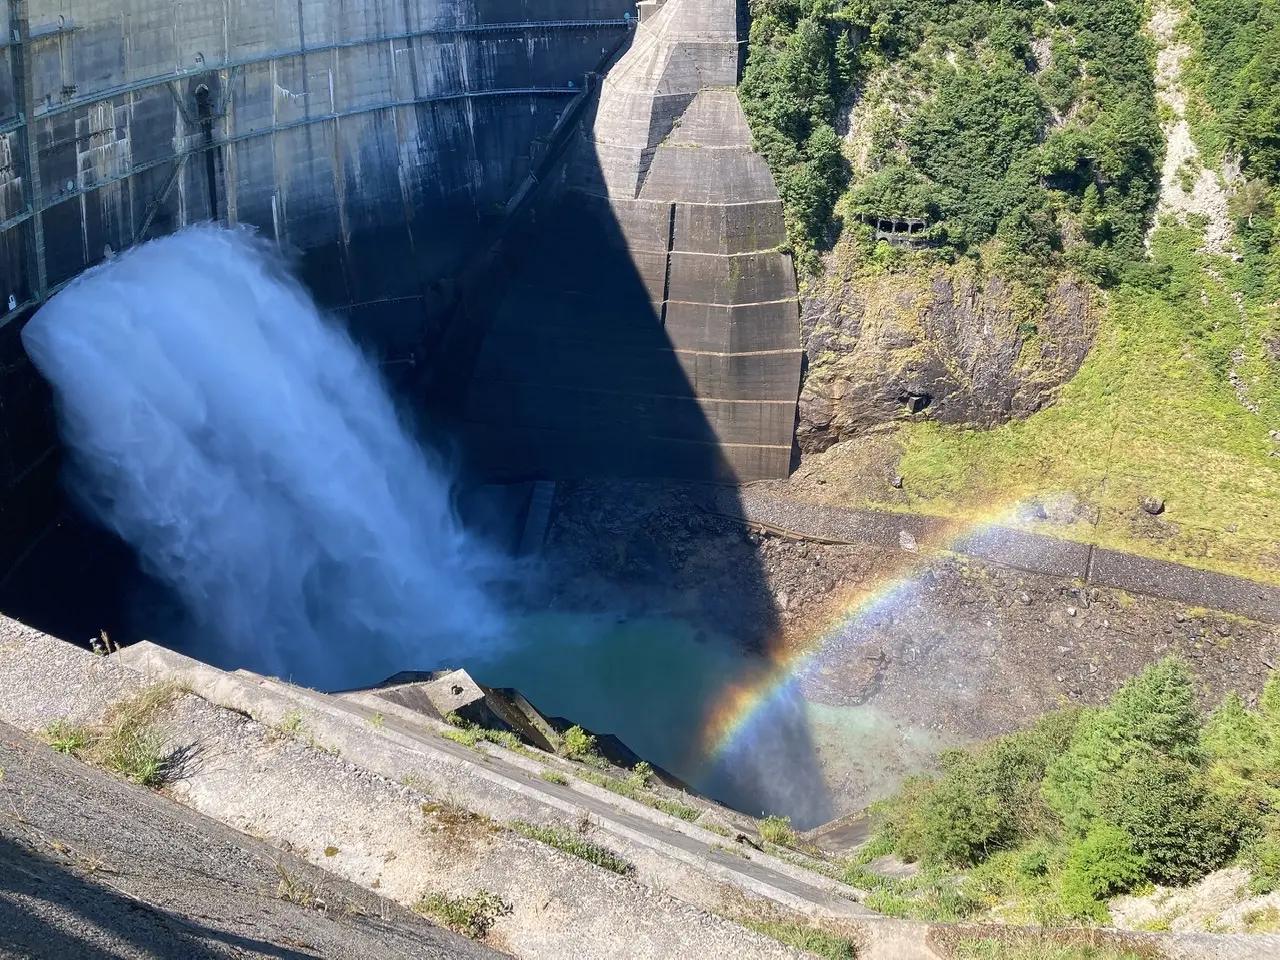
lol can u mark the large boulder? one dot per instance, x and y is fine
(940, 342)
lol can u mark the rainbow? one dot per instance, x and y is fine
(733, 716)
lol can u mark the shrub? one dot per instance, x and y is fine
(471, 916)
(778, 830)
(1180, 829)
(577, 744)
(1156, 711)
(641, 774)
(1263, 860)
(988, 799)
(1098, 867)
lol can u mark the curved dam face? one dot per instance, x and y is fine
(543, 218)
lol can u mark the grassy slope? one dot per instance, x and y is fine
(1151, 412)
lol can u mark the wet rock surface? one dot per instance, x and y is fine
(943, 344)
(941, 646)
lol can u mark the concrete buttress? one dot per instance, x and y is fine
(654, 330)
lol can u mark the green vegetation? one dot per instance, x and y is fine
(991, 949)
(126, 742)
(470, 735)
(66, 737)
(472, 916)
(778, 830)
(1233, 110)
(552, 777)
(1236, 72)
(574, 843)
(1089, 803)
(811, 939)
(577, 744)
(295, 889)
(1048, 150)
(1152, 411)
(628, 788)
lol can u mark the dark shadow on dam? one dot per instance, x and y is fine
(571, 374)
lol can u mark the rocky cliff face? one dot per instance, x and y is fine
(941, 343)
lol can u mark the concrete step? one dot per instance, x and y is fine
(403, 746)
(539, 518)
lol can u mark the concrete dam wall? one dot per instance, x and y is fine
(385, 146)
(653, 328)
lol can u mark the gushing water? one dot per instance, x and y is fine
(252, 457)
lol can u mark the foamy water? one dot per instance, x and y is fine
(240, 442)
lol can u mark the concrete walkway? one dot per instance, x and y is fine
(1006, 546)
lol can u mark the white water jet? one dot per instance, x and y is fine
(250, 454)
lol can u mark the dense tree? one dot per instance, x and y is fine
(988, 141)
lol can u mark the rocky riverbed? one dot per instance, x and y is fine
(932, 650)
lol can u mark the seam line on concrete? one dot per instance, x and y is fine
(739, 353)
(505, 382)
(155, 81)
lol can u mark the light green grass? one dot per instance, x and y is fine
(817, 942)
(575, 844)
(473, 916)
(1151, 412)
(992, 949)
(628, 788)
(127, 742)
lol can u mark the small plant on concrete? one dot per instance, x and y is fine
(552, 777)
(67, 738)
(574, 843)
(292, 723)
(126, 741)
(137, 754)
(295, 889)
(471, 916)
(778, 830)
(577, 744)
(468, 737)
(815, 941)
(378, 720)
(641, 774)
(627, 788)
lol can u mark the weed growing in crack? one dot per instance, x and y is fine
(575, 844)
(779, 830)
(471, 916)
(126, 742)
(810, 939)
(295, 889)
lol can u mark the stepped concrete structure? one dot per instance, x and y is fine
(355, 799)
(653, 328)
